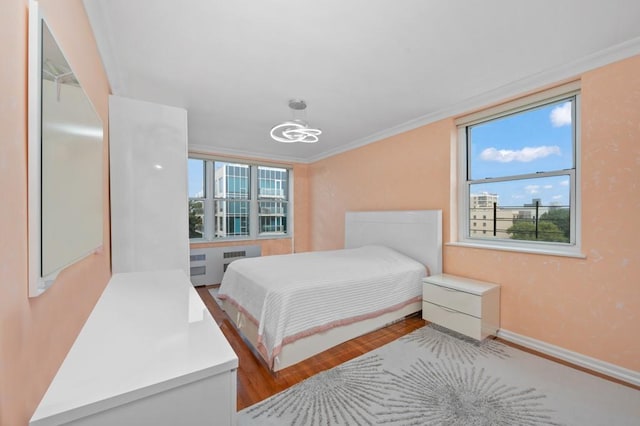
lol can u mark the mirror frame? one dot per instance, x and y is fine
(39, 282)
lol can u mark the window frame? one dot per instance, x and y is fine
(264, 198)
(228, 200)
(463, 213)
(202, 199)
(253, 201)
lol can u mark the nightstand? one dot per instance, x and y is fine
(468, 306)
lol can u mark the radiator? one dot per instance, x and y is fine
(209, 264)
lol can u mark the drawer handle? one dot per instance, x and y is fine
(453, 311)
(449, 289)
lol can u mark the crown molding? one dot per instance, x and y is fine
(226, 152)
(571, 70)
(564, 72)
(100, 23)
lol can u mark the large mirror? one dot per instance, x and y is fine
(65, 162)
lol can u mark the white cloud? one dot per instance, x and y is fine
(532, 189)
(548, 186)
(564, 183)
(523, 155)
(557, 197)
(561, 115)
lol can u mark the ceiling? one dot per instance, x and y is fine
(367, 69)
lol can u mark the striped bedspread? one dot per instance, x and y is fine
(292, 296)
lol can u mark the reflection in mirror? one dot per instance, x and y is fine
(65, 163)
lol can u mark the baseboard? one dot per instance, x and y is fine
(611, 370)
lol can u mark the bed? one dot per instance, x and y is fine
(291, 307)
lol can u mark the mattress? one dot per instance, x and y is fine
(289, 297)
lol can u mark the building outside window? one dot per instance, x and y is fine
(245, 201)
(519, 171)
(196, 170)
(231, 199)
(273, 188)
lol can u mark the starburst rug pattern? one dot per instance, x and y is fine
(436, 377)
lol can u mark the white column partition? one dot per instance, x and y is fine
(149, 200)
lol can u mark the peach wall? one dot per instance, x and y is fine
(402, 173)
(36, 334)
(590, 306)
(301, 208)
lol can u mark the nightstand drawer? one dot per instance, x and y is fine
(456, 321)
(457, 300)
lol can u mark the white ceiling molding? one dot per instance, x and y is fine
(567, 71)
(100, 24)
(558, 75)
(224, 62)
(234, 153)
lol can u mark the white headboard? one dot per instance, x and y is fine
(415, 233)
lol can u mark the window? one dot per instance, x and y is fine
(518, 169)
(196, 198)
(273, 191)
(231, 199)
(246, 200)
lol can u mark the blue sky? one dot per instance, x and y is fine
(196, 178)
(535, 141)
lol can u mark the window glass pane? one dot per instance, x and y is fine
(196, 219)
(231, 218)
(272, 217)
(535, 209)
(273, 183)
(536, 140)
(196, 178)
(231, 180)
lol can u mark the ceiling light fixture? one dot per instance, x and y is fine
(296, 130)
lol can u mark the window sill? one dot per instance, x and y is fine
(547, 251)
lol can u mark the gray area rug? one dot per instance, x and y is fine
(436, 377)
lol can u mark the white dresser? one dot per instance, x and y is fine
(468, 306)
(149, 354)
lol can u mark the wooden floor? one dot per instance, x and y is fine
(256, 382)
